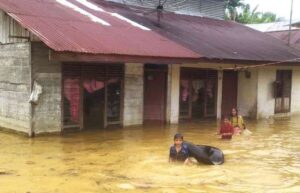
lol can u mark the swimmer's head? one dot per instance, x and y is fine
(178, 139)
(178, 136)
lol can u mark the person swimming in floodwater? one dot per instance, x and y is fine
(179, 151)
(237, 122)
(226, 131)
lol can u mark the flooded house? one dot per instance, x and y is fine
(96, 64)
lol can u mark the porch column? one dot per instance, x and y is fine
(173, 94)
(219, 94)
(133, 94)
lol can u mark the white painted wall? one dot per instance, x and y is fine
(266, 102)
(255, 95)
(247, 93)
(265, 99)
(295, 98)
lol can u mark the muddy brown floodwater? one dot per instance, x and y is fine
(135, 160)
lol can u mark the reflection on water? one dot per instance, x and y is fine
(135, 160)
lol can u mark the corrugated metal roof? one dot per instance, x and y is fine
(214, 39)
(65, 28)
(205, 8)
(273, 26)
(284, 36)
(78, 26)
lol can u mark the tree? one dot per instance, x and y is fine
(232, 7)
(247, 16)
(237, 10)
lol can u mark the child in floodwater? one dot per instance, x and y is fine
(179, 151)
(226, 130)
(237, 122)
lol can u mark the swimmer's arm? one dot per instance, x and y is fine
(227, 134)
(187, 161)
(170, 157)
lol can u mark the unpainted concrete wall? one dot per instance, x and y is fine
(47, 113)
(15, 86)
(134, 94)
(247, 93)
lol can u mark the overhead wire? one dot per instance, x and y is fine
(261, 65)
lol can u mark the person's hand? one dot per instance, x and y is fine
(187, 161)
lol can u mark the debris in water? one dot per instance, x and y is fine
(2, 173)
(30, 162)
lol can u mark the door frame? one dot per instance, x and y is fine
(190, 102)
(80, 125)
(236, 85)
(164, 68)
(282, 97)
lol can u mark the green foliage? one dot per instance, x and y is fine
(248, 16)
(232, 8)
(237, 10)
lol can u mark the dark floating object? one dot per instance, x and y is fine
(205, 154)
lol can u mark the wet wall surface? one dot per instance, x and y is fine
(135, 160)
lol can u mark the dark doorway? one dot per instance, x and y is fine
(93, 95)
(283, 87)
(94, 109)
(198, 93)
(229, 91)
(155, 89)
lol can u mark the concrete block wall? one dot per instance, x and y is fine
(15, 86)
(47, 113)
(134, 94)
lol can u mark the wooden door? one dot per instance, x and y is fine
(229, 93)
(155, 84)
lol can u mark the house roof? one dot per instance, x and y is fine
(79, 26)
(206, 8)
(214, 39)
(111, 28)
(284, 36)
(274, 26)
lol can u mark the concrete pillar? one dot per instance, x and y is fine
(173, 94)
(219, 94)
(295, 95)
(133, 94)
